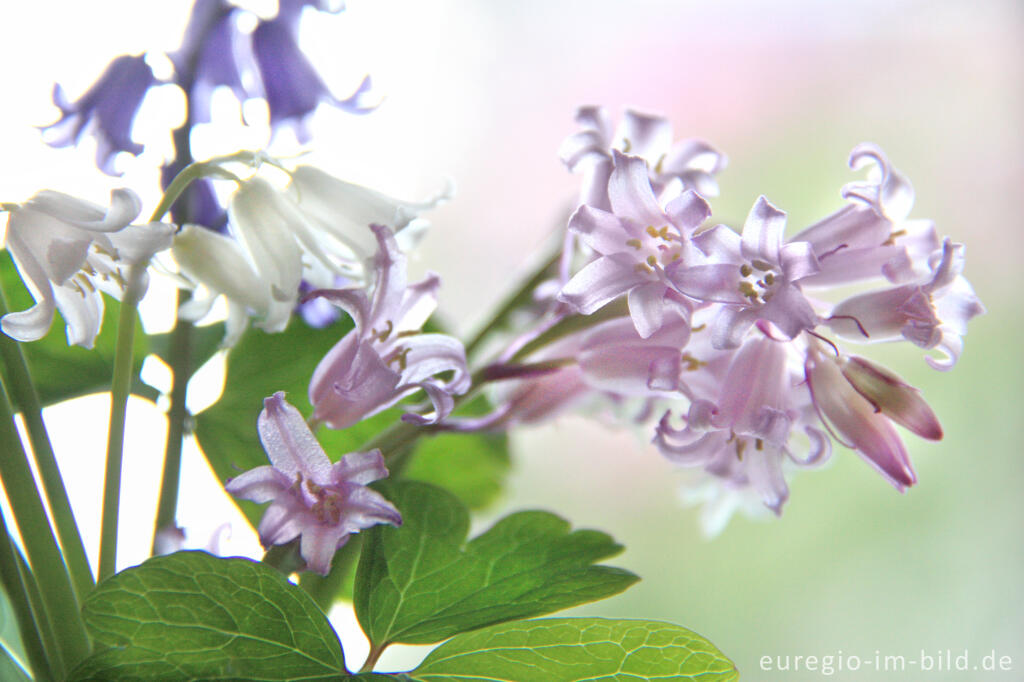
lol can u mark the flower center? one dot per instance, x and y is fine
(759, 281)
(657, 248)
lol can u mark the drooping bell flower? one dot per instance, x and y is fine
(310, 498)
(385, 357)
(106, 111)
(932, 313)
(67, 251)
(291, 85)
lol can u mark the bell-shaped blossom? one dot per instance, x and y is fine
(636, 242)
(673, 166)
(315, 232)
(743, 436)
(213, 54)
(343, 210)
(932, 313)
(890, 395)
(67, 251)
(310, 498)
(857, 420)
(385, 358)
(871, 236)
(756, 275)
(106, 111)
(223, 267)
(291, 86)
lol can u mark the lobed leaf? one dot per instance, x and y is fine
(423, 582)
(575, 649)
(193, 616)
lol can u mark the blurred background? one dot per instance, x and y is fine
(484, 92)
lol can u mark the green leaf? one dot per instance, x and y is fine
(572, 649)
(473, 466)
(192, 616)
(423, 582)
(60, 371)
(205, 342)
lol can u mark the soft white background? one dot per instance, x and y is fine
(484, 92)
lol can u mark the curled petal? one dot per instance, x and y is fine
(762, 232)
(258, 485)
(888, 191)
(318, 545)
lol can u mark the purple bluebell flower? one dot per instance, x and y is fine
(292, 87)
(106, 110)
(385, 357)
(212, 54)
(310, 498)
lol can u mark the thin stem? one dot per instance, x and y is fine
(58, 595)
(120, 386)
(23, 393)
(372, 658)
(181, 366)
(517, 299)
(31, 624)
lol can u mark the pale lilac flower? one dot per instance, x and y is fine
(871, 236)
(310, 498)
(636, 242)
(679, 166)
(932, 313)
(67, 251)
(385, 358)
(755, 275)
(862, 424)
(106, 111)
(744, 435)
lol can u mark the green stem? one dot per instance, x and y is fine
(372, 658)
(522, 295)
(32, 623)
(23, 393)
(181, 367)
(120, 386)
(58, 595)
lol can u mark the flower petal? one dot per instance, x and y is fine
(289, 443)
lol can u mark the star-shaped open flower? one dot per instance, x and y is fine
(310, 498)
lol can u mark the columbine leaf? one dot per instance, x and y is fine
(423, 582)
(192, 616)
(572, 649)
(60, 371)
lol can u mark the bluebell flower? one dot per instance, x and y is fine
(106, 110)
(292, 87)
(212, 54)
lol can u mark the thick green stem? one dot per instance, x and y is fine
(120, 386)
(44, 555)
(25, 398)
(32, 623)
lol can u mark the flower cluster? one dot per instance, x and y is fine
(265, 63)
(732, 333)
